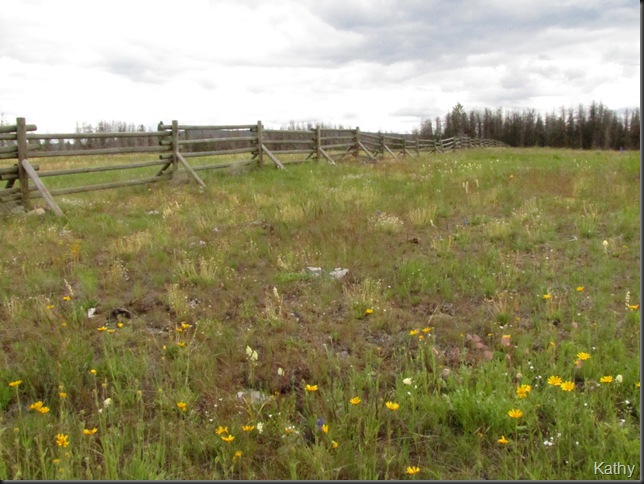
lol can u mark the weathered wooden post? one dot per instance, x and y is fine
(404, 148)
(21, 141)
(318, 142)
(417, 145)
(260, 143)
(356, 147)
(175, 145)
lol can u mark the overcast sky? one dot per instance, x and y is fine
(378, 64)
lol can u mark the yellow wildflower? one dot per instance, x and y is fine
(248, 428)
(90, 431)
(547, 296)
(102, 328)
(221, 430)
(580, 288)
(334, 444)
(183, 406)
(392, 406)
(583, 356)
(311, 388)
(238, 454)
(412, 470)
(413, 332)
(523, 390)
(606, 379)
(355, 401)
(15, 383)
(503, 440)
(227, 438)
(515, 413)
(325, 429)
(62, 440)
(554, 380)
(567, 386)
(368, 311)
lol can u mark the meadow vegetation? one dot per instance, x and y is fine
(488, 326)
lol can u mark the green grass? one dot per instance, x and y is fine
(447, 254)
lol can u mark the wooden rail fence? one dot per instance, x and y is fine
(176, 143)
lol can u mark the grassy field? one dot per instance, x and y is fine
(488, 326)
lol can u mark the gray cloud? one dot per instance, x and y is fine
(286, 58)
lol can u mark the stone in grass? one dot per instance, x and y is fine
(314, 271)
(253, 396)
(37, 211)
(338, 273)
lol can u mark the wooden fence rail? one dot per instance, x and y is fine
(172, 144)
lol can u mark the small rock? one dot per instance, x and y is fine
(253, 396)
(338, 273)
(37, 211)
(314, 271)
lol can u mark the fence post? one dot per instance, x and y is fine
(318, 142)
(417, 146)
(404, 148)
(175, 145)
(260, 143)
(356, 148)
(21, 140)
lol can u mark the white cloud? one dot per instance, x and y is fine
(377, 64)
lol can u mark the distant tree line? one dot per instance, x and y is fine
(587, 127)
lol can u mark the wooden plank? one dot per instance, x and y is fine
(110, 134)
(41, 188)
(73, 171)
(215, 140)
(347, 151)
(409, 153)
(366, 150)
(190, 170)
(390, 152)
(342, 130)
(336, 138)
(12, 128)
(287, 131)
(105, 186)
(217, 166)
(207, 126)
(339, 145)
(285, 152)
(196, 154)
(272, 157)
(289, 141)
(102, 151)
